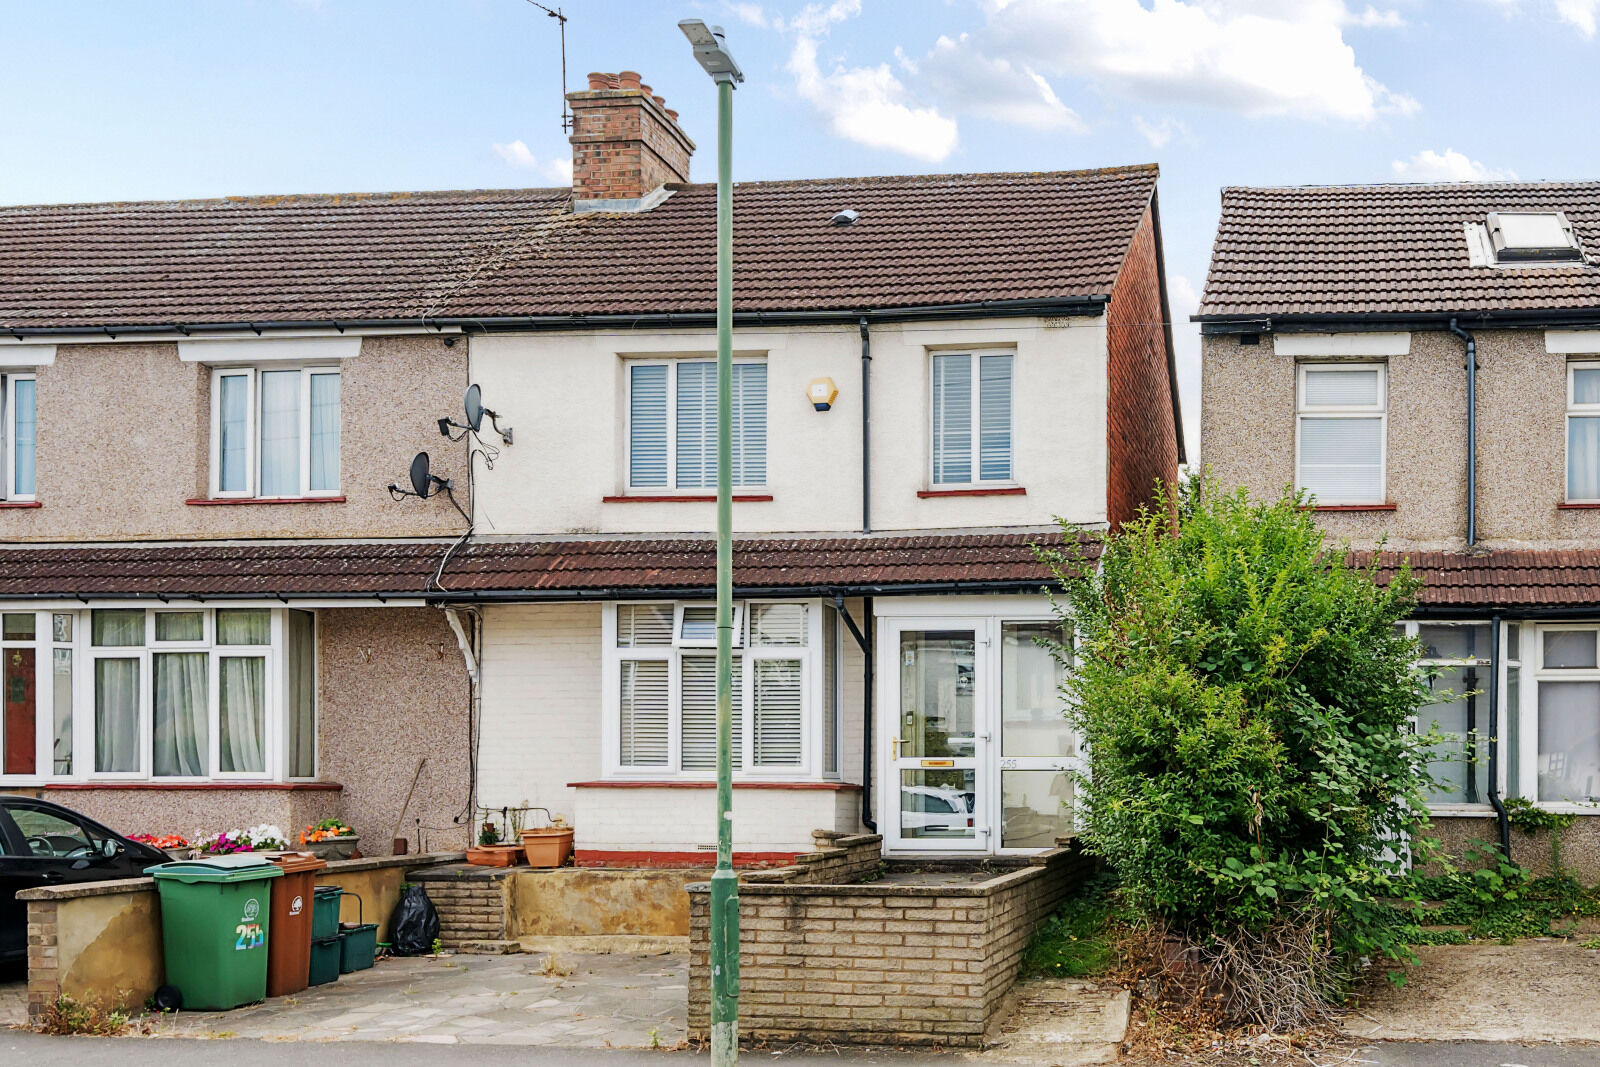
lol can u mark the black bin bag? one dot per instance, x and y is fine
(415, 926)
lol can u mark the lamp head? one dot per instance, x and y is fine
(711, 50)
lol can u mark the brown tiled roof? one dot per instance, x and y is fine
(920, 240)
(1389, 249)
(544, 568)
(1511, 579)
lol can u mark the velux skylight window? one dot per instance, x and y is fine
(1532, 237)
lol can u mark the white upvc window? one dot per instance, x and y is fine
(971, 415)
(671, 432)
(660, 691)
(1559, 753)
(1583, 433)
(1341, 432)
(20, 426)
(275, 432)
(172, 694)
(1458, 657)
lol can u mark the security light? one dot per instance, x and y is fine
(711, 49)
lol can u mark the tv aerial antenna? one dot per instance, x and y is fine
(561, 20)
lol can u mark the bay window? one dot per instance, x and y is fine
(672, 424)
(660, 690)
(1566, 715)
(274, 432)
(1457, 659)
(1340, 432)
(171, 693)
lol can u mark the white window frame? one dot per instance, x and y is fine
(810, 766)
(671, 488)
(1575, 410)
(252, 463)
(275, 727)
(681, 608)
(977, 481)
(1303, 411)
(1535, 674)
(8, 455)
(1491, 674)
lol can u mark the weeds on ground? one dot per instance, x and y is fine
(551, 967)
(69, 1016)
(1497, 899)
(1080, 939)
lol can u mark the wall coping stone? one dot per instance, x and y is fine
(148, 884)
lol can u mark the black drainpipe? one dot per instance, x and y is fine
(865, 640)
(1472, 433)
(866, 432)
(1494, 738)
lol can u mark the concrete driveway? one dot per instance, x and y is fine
(583, 1001)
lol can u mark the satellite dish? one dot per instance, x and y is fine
(474, 406)
(421, 476)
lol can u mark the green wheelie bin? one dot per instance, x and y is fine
(214, 926)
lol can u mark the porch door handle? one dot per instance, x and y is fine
(894, 748)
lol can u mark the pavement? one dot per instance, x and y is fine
(581, 1001)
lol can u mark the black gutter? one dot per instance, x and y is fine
(1094, 304)
(1495, 800)
(866, 428)
(1508, 319)
(865, 640)
(1034, 585)
(1472, 432)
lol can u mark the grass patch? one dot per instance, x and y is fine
(1080, 939)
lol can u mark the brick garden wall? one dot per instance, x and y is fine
(471, 902)
(878, 962)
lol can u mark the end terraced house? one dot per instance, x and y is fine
(1424, 361)
(219, 607)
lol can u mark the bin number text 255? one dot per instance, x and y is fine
(250, 936)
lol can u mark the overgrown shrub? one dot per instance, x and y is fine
(1244, 696)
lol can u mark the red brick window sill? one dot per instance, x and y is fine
(698, 784)
(687, 498)
(1350, 507)
(1578, 507)
(218, 501)
(20, 504)
(1007, 490)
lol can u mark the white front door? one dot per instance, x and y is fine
(977, 754)
(939, 779)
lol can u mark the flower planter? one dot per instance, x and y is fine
(333, 848)
(494, 855)
(547, 847)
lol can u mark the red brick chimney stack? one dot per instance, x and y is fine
(625, 145)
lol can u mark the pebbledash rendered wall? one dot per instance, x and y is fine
(826, 957)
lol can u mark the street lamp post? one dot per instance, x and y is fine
(711, 50)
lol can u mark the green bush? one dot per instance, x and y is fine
(1244, 694)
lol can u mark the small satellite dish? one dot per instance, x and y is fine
(474, 406)
(421, 476)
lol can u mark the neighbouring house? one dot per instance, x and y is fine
(1424, 361)
(929, 371)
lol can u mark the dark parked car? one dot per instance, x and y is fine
(45, 844)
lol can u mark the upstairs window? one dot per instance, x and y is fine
(672, 424)
(1532, 237)
(1340, 432)
(275, 433)
(971, 418)
(1583, 433)
(20, 425)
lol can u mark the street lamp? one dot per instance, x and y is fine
(711, 50)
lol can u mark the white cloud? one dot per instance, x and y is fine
(1254, 57)
(991, 86)
(1159, 133)
(518, 155)
(753, 15)
(1447, 166)
(1370, 17)
(868, 105)
(1583, 15)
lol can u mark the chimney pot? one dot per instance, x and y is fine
(661, 102)
(629, 79)
(645, 89)
(599, 80)
(671, 114)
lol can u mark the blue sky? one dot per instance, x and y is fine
(137, 99)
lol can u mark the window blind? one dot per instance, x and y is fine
(994, 418)
(699, 739)
(647, 426)
(776, 720)
(777, 624)
(641, 625)
(952, 418)
(1341, 459)
(644, 713)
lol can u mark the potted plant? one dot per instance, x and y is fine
(489, 852)
(174, 845)
(547, 846)
(330, 839)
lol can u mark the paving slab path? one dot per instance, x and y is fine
(601, 1001)
(1062, 1022)
(1540, 990)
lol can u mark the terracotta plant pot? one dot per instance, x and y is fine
(548, 847)
(334, 848)
(494, 855)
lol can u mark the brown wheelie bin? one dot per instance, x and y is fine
(289, 935)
